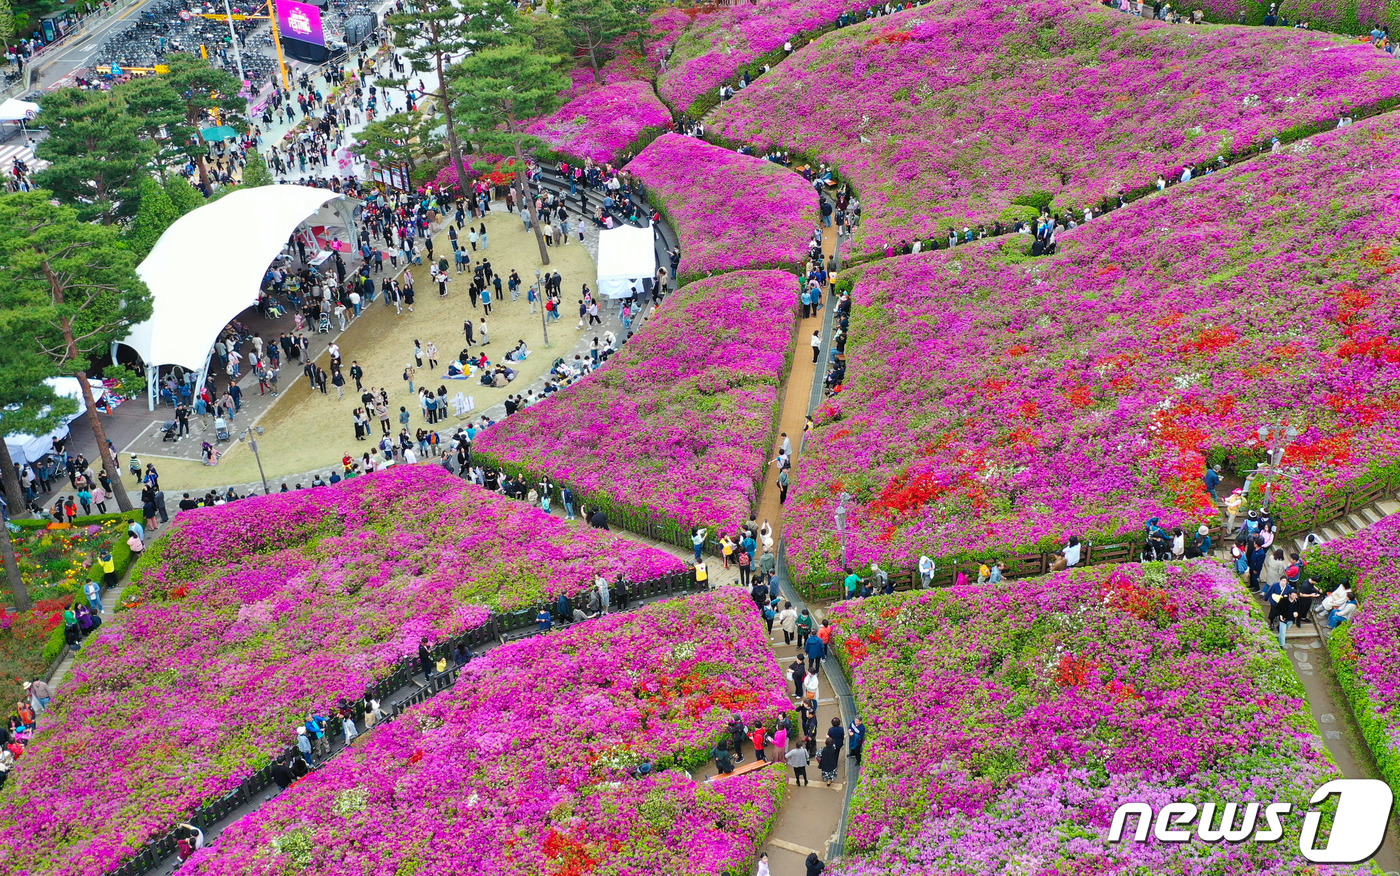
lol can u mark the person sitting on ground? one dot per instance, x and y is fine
(1344, 612)
(518, 354)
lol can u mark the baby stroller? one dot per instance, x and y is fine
(167, 431)
(220, 429)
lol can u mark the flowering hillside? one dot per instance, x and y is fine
(524, 767)
(677, 424)
(256, 612)
(997, 403)
(1008, 723)
(731, 211)
(958, 114)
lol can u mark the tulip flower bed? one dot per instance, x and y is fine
(997, 404)
(958, 114)
(731, 211)
(56, 561)
(525, 765)
(601, 122)
(676, 426)
(250, 615)
(721, 42)
(1008, 722)
(1363, 649)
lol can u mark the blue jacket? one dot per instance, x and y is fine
(816, 648)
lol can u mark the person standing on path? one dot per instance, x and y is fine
(787, 620)
(827, 761)
(797, 671)
(816, 346)
(697, 540)
(797, 759)
(425, 660)
(783, 481)
(816, 650)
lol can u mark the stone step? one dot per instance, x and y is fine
(1388, 506)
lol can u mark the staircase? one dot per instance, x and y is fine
(1367, 515)
(552, 181)
(1358, 519)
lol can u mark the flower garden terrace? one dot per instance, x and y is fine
(530, 762)
(998, 404)
(251, 615)
(1010, 721)
(953, 114)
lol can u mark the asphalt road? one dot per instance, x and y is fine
(78, 50)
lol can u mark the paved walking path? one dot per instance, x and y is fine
(798, 393)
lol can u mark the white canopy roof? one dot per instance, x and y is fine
(626, 257)
(208, 266)
(28, 448)
(14, 109)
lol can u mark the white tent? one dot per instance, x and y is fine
(208, 266)
(626, 257)
(27, 448)
(16, 110)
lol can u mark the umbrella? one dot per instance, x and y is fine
(221, 132)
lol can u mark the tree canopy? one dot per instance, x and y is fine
(76, 285)
(96, 153)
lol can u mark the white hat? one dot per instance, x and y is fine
(301, 731)
(1204, 530)
(26, 685)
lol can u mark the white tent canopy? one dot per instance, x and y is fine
(208, 266)
(28, 448)
(16, 110)
(626, 257)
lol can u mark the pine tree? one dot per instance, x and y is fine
(433, 31)
(497, 92)
(203, 90)
(77, 286)
(593, 26)
(7, 23)
(391, 138)
(96, 154)
(160, 115)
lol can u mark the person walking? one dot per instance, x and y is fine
(827, 761)
(787, 620)
(797, 671)
(816, 346)
(797, 759)
(816, 650)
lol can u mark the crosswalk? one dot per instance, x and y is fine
(22, 151)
